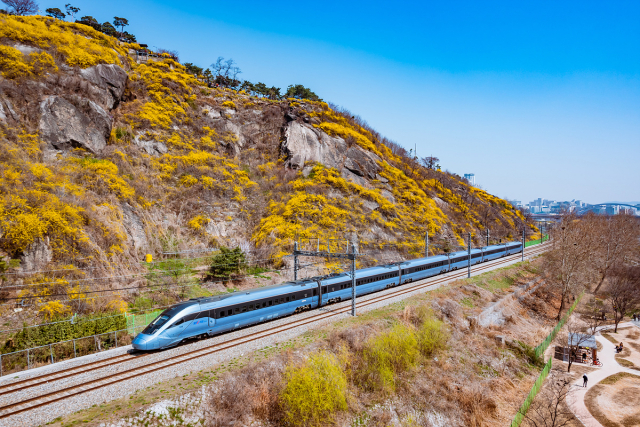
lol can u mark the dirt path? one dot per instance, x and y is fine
(575, 399)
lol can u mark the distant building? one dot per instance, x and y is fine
(471, 177)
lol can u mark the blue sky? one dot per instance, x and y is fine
(538, 99)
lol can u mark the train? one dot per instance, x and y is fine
(209, 316)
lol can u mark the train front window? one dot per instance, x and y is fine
(156, 324)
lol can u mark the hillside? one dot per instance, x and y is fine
(106, 156)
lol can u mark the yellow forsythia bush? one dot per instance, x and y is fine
(314, 391)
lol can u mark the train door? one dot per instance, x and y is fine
(198, 324)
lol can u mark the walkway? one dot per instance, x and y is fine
(575, 399)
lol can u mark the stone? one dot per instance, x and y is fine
(388, 195)
(151, 147)
(304, 144)
(135, 227)
(306, 171)
(362, 162)
(382, 179)
(356, 179)
(64, 126)
(109, 77)
(370, 204)
(37, 255)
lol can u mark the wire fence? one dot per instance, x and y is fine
(547, 341)
(522, 412)
(544, 238)
(517, 420)
(34, 357)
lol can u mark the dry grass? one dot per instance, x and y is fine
(615, 401)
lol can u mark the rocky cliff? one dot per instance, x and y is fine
(104, 159)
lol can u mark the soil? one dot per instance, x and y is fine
(615, 401)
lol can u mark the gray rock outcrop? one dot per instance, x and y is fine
(37, 255)
(64, 125)
(151, 147)
(111, 78)
(362, 162)
(303, 144)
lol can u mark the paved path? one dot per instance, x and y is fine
(575, 399)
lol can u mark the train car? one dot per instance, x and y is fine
(489, 253)
(514, 248)
(460, 259)
(422, 268)
(338, 287)
(222, 313)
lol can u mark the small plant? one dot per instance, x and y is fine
(432, 336)
(387, 355)
(314, 391)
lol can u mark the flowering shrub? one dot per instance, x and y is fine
(14, 64)
(79, 45)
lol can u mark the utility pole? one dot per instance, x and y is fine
(469, 250)
(487, 236)
(523, 230)
(426, 243)
(353, 280)
(328, 254)
(295, 261)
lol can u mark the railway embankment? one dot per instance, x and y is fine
(451, 370)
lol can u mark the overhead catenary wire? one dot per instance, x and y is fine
(135, 287)
(150, 272)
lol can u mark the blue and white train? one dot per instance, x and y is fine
(207, 316)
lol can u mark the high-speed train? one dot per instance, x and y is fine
(209, 316)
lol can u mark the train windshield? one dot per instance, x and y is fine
(156, 324)
(162, 319)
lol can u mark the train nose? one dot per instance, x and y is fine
(140, 342)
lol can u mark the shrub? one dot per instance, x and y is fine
(388, 355)
(227, 262)
(432, 336)
(314, 391)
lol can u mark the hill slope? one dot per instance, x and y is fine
(105, 159)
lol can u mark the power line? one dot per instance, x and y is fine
(130, 288)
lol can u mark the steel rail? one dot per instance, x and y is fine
(68, 392)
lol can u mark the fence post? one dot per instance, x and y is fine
(115, 336)
(0, 364)
(28, 361)
(74, 348)
(51, 353)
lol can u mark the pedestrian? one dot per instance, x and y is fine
(585, 379)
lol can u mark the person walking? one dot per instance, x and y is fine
(585, 379)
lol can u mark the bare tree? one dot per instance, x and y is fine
(623, 292)
(548, 408)
(593, 314)
(617, 237)
(22, 7)
(216, 67)
(566, 267)
(574, 337)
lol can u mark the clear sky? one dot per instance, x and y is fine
(537, 98)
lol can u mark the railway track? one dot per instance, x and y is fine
(46, 398)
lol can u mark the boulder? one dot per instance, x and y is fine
(111, 78)
(382, 179)
(303, 144)
(362, 162)
(151, 147)
(64, 125)
(388, 195)
(356, 179)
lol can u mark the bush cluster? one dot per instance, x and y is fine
(46, 334)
